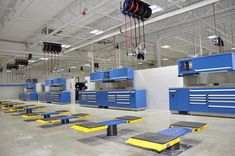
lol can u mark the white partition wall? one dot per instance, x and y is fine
(157, 81)
(10, 91)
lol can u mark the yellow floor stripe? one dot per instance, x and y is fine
(88, 130)
(30, 117)
(152, 145)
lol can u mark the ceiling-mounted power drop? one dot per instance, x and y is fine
(137, 9)
(52, 49)
(141, 11)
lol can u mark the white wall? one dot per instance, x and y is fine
(70, 86)
(90, 85)
(157, 81)
(10, 92)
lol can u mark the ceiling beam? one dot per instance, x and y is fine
(150, 21)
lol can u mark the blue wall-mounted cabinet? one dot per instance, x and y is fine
(112, 75)
(56, 82)
(203, 100)
(30, 85)
(212, 63)
(122, 99)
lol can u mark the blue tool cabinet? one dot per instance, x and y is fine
(219, 62)
(60, 96)
(31, 96)
(122, 99)
(203, 100)
(111, 75)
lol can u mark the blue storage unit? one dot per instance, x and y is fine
(203, 100)
(60, 97)
(31, 96)
(127, 99)
(112, 75)
(57, 96)
(121, 99)
(219, 62)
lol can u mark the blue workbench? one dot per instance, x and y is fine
(122, 99)
(203, 100)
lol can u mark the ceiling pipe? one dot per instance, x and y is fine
(150, 21)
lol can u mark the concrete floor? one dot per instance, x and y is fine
(22, 138)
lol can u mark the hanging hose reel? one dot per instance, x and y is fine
(140, 11)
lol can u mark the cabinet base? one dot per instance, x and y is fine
(118, 108)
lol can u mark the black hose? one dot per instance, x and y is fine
(139, 30)
(135, 33)
(143, 35)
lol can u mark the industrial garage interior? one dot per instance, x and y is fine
(117, 77)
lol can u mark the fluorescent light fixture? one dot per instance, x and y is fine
(155, 8)
(44, 58)
(8, 71)
(61, 69)
(65, 46)
(73, 67)
(32, 61)
(87, 65)
(165, 46)
(165, 59)
(212, 37)
(96, 32)
(233, 48)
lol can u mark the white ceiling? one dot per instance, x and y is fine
(186, 33)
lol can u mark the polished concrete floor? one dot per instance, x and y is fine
(20, 138)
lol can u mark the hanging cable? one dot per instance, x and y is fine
(136, 44)
(131, 34)
(126, 42)
(139, 31)
(143, 35)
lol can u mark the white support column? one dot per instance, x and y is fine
(158, 52)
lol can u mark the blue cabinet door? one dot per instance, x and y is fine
(179, 99)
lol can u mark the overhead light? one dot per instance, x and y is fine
(32, 61)
(212, 37)
(8, 71)
(165, 46)
(61, 69)
(165, 59)
(73, 67)
(96, 32)
(65, 46)
(87, 65)
(233, 48)
(44, 58)
(155, 8)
